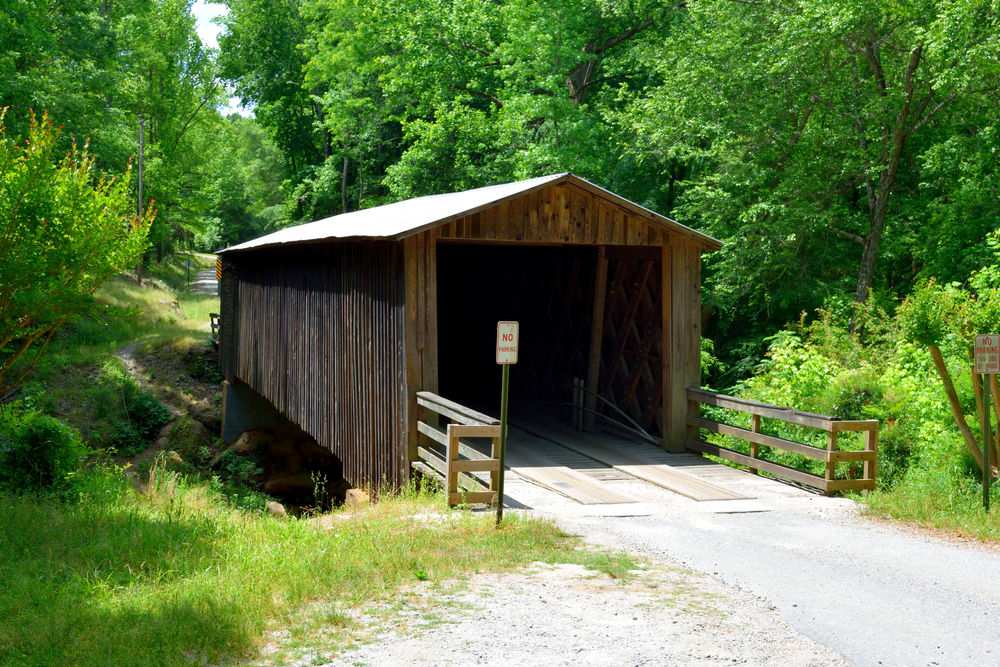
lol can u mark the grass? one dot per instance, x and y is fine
(940, 500)
(65, 383)
(175, 575)
(187, 571)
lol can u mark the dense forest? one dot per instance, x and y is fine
(843, 150)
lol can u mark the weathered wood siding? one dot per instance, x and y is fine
(649, 353)
(319, 331)
(560, 214)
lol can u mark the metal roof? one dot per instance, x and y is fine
(402, 219)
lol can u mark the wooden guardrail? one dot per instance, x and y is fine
(831, 455)
(449, 467)
(213, 319)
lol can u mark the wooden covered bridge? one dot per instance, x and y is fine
(337, 325)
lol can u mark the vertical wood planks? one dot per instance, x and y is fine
(515, 230)
(318, 332)
(414, 376)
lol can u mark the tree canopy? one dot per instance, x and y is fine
(63, 232)
(844, 150)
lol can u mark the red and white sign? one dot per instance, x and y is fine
(506, 342)
(988, 354)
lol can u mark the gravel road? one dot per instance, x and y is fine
(564, 615)
(874, 593)
(788, 578)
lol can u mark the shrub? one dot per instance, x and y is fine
(136, 415)
(37, 452)
(148, 415)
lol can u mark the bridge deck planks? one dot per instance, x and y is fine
(635, 459)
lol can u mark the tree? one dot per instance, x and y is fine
(805, 121)
(422, 98)
(63, 232)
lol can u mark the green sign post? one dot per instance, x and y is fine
(506, 355)
(987, 356)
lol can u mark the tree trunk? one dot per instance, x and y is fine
(956, 407)
(343, 186)
(322, 131)
(878, 205)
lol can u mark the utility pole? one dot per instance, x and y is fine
(142, 134)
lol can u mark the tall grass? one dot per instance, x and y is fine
(940, 499)
(175, 575)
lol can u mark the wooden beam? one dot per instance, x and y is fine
(671, 435)
(596, 337)
(414, 379)
(430, 356)
(762, 439)
(453, 410)
(641, 253)
(485, 497)
(765, 410)
(438, 434)
(778, 469)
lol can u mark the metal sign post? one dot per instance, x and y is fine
(987, 356)
(188, 264)
(506, 355)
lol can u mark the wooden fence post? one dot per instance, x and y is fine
(754, 447)
(831, 464)
(871, 445)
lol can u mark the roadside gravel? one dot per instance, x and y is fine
(567, 615)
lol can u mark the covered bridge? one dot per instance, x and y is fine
(336, 325)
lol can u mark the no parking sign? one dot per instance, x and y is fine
(987, 359)
(506, 342)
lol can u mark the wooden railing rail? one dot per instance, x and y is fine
(451, 468)
(213, 319)
(831, 455)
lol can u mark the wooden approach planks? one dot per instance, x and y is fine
(528, 456)
(632, 461)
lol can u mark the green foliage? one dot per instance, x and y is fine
(37, 453)
(135, 416)
(63, 236)
(930, 312)
(241, 470)
(822, 367)
(175, 572)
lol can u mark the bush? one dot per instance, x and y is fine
(37, 452)
(136, 416)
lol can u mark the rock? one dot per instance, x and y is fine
(205, 415)
(162, 440)
(173, 459)
(250, 441)
(290, 459)
(355, 497)
(276, 509)
(338, 493)
(188, 435)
